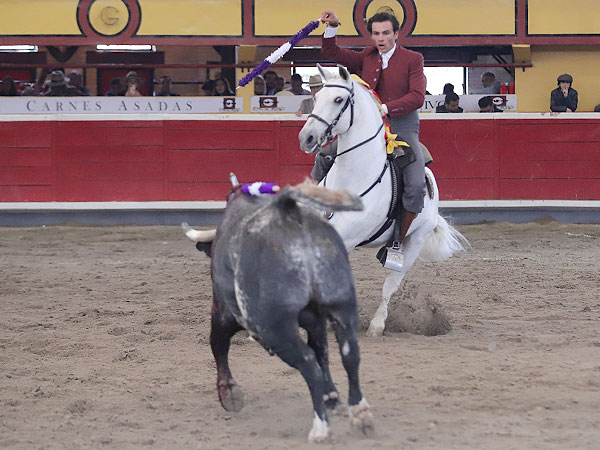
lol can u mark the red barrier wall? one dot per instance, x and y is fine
(153, 160)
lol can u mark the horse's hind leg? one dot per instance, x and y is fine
(223, 327)
(411, 247)
(345, 324)
(315, 326)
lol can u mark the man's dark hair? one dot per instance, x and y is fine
(296, 76)
(484, 102)
(270, 72)
(448, 88)
(383, 17)
(452, 97)
(115, 82)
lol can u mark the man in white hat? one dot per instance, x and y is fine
(326, 156)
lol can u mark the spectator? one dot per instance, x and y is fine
(490, 84)
(209, 85)
(116, 88)
(75, 81)
(448, 89)
(57, 86)
(564, 97)
(326, 156)
(8, 88)
(222, 88)
(450, 105)
(297, 88)
(133, 81)
(271, 82)
(597, 108)
(165, 87)
(28, 90)
(315, 83)
(259, 85)
(486, 105)
(279, 84)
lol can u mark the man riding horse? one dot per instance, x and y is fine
(396, 74)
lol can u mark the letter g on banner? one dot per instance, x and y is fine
(404, 10)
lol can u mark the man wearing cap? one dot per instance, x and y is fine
(326, 156)
(396, 74)
(564, 97)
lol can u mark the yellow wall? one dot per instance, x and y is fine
(534, 85)
(564, 16)
(465, 17)
(38, 17)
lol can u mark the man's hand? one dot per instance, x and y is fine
(565, 91)
(329, 17)
(298, 113)
(569, 110)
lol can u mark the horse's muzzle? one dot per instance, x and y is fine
(309, 141)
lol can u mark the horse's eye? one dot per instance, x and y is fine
(339, 100)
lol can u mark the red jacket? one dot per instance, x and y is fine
(401, 86)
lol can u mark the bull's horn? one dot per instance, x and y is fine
(199, 236)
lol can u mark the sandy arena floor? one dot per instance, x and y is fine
(104, 345)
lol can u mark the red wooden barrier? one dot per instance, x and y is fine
(153, 160)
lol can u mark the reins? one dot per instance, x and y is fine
(328, 136)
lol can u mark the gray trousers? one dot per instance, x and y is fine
(407, 129)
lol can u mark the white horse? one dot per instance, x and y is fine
(346, 109)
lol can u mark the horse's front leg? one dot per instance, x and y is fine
(411, 247)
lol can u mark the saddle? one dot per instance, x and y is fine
(397, 161)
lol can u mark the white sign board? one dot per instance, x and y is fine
(277, 103)
(469, 103)
(120, 105)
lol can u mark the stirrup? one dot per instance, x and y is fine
(391, 257)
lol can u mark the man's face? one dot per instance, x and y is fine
(565, 85)
(452, 106)
(383, 35)
(165, 84)
(296, 84)
(271, 81)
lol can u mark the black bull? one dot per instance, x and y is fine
(278, 265)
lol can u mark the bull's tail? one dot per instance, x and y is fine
(320, 198)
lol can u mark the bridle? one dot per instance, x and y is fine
(329, 137)
(349, 102)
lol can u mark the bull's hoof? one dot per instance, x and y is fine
(375, 330)
(332, 401)
(319, 431)
(361, 419)
(231, 396)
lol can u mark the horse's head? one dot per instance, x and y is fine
(333, 113)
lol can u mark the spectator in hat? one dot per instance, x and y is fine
(297, 88)
(164, 89)
(8, 87)
(564, 97)
(315, 83)
(116, 88)
(57, 86)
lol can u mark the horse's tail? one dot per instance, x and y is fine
(443, 242)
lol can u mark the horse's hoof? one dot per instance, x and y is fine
(361, 419)
(231, 397)
(375, 330)
(319, 431)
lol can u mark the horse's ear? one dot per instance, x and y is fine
(343, 72)
(322, 72)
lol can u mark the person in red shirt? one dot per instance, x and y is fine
(396, 74)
